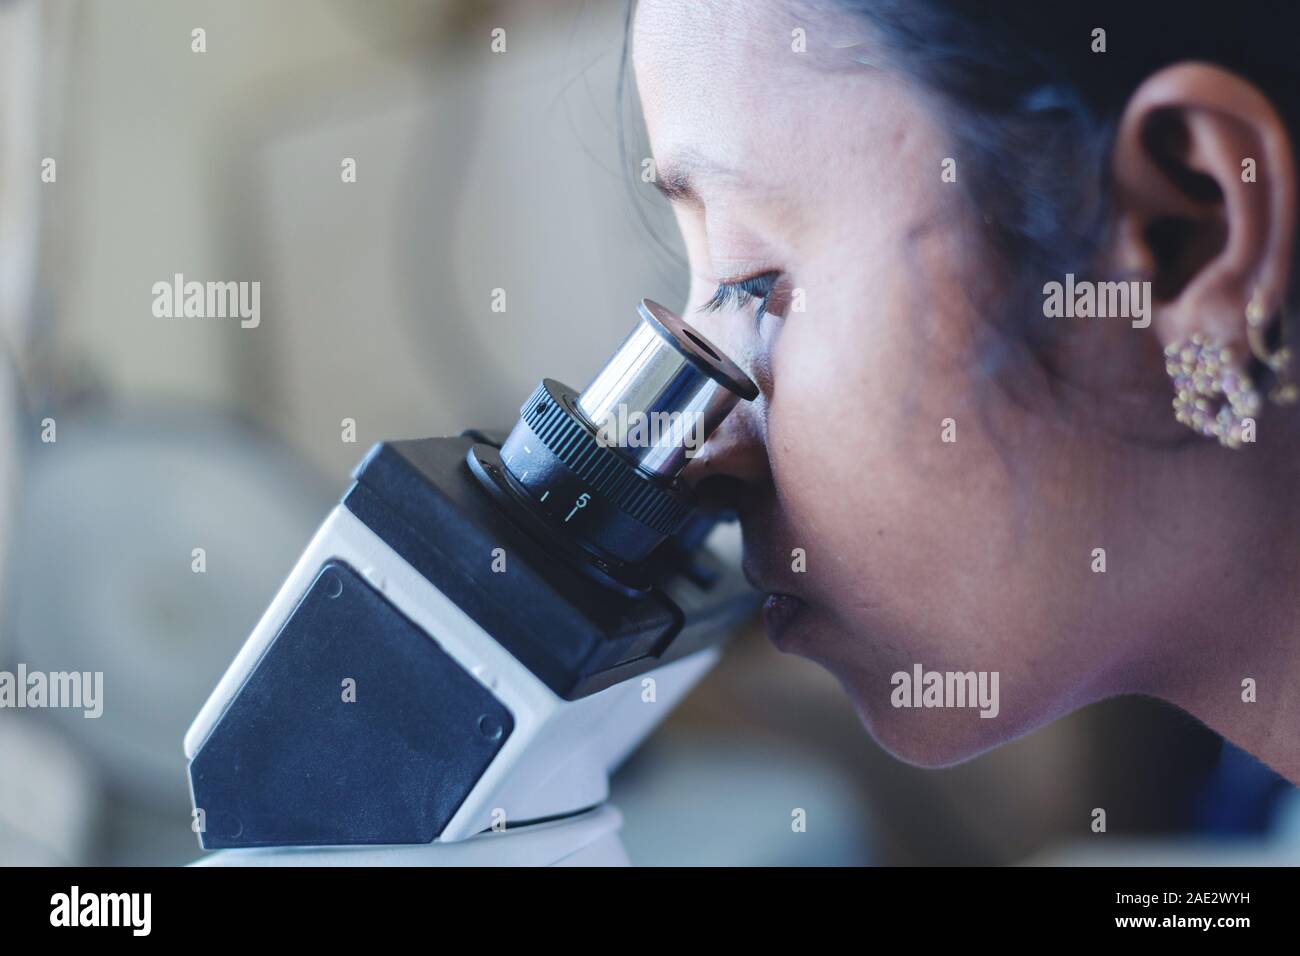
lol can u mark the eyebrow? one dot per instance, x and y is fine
(675, 185)
(677, 178)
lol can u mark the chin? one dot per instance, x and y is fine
(923, 737)
(929, 739)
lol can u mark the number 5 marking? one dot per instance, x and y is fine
(580, 503)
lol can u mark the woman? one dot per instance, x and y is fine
(1014, 283)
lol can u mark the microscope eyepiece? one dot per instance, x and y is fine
(665, 375)
(600, 468)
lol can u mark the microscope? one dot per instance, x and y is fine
(481, 631)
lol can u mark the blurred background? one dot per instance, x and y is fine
(475, 171)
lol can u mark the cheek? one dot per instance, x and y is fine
(919, 551)
(893, 520)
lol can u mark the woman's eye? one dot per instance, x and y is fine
(741, 292)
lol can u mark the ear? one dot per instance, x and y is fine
(1206, 209)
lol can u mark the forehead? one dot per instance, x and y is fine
(757, 84)
(691, 53)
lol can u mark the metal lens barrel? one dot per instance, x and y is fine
(602, 465)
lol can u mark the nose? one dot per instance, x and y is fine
(735, 455)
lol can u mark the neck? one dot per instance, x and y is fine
(1266, 730)
(1241, 676)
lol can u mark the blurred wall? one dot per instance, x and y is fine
(475, 171)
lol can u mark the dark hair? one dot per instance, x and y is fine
(1034, 109)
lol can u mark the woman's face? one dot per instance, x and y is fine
(973, 554)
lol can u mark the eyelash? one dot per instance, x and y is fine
(757, 288)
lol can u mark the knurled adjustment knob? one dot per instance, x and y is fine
(552, 417)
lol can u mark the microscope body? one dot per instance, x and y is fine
(429, 671)
(480, 632)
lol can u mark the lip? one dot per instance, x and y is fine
(780, 612)
(780, 608)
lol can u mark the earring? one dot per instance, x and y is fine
(1212, 395)
(1278, 361)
